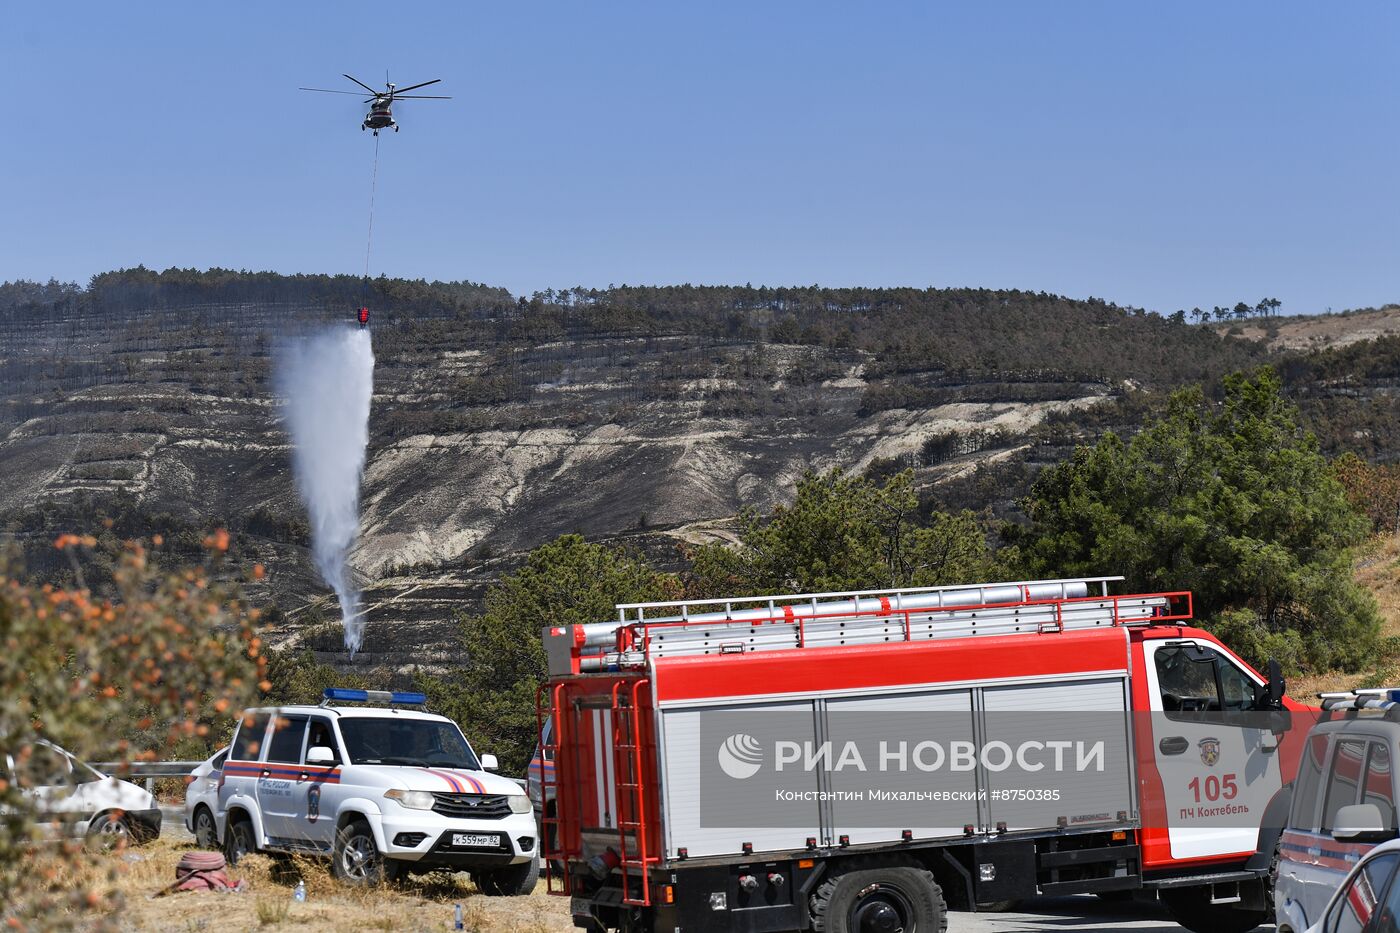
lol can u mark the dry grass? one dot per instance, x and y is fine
(1377, 569)
(1316, 331)
(423, 903)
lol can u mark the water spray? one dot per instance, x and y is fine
(326, 381)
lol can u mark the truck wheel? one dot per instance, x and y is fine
(511, 881)
(239, 840)
(356, 860)
(1191, 907)
(877, 900)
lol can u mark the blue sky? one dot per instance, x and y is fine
(1163, 155)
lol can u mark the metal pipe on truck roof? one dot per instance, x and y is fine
(600, 634)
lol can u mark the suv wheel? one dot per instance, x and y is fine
(878, 899)
(356, 859)
(511, 881)
(206, 836)
(239, 840)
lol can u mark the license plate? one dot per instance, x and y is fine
(476, 840)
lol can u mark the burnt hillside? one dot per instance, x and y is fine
(500, 422)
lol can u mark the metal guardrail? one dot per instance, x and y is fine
(147, 771)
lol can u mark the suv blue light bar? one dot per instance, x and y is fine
(346, 695)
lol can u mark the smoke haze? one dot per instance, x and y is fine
(326, 381)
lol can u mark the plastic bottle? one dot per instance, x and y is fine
(299, 894)
(457, 917)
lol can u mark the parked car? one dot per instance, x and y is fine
(1368, 900)
(380, 790)
(72, 798)
(1344, 807)
(202, 799)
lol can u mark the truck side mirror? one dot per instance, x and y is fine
(319, 755)
(489, 763)
(1270, 696)
(1276, 686)
(1361, 822)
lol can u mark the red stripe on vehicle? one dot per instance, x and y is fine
(450, 779)
(468, 779)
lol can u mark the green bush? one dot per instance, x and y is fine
(1232, 501)
(568, 581)
(845, 532)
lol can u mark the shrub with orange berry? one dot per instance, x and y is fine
(170, 656)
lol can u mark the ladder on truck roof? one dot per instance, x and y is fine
(656, 630)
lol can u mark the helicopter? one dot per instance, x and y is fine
(380, 116)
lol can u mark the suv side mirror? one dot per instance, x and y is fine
(1361, 822)
(489, 763)
(319, 755)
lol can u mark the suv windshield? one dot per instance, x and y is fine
(382, 740)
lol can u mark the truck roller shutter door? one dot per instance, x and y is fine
(1091, 715)
(711, 812)
(899, 724)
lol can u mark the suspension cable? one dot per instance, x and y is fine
(369, 238)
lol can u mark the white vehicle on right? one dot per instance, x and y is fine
(1368, 900)
(1339, 851)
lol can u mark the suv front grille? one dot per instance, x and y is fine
(472, 806)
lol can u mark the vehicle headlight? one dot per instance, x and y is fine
(413, 799)
(519, 803)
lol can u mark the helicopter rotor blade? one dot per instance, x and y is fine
(361, 84)
(419, 97)
(411, 87)
(327, 91)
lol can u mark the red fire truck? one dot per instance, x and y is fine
(665, 722)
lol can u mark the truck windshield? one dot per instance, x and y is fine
(381, 740)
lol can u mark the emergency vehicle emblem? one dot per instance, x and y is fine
(313, 803)
(1210, 751)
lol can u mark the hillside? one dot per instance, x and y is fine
(499, 423)
(1320, 331)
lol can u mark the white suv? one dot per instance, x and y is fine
(381, 790)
